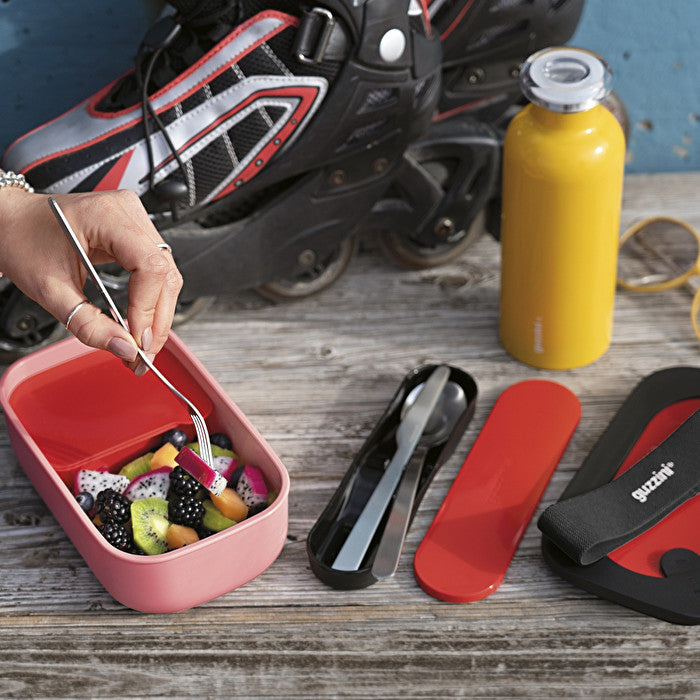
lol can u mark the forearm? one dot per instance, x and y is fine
(13, 186)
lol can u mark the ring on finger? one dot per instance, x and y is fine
(164, 246)
(75, 310)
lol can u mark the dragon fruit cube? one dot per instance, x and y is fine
(251, 486)
(152, 484)
(92, 481)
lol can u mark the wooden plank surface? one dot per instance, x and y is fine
(314, 376)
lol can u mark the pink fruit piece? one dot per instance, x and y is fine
(251, 486)
(194, 465)
(92, 482)
(226, 466)
(152, 484)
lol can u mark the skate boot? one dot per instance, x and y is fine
(484, 42)
(448, 190)
(258, 133)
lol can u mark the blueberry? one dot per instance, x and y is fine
(221, 440)
(175, 437)
(85, 500)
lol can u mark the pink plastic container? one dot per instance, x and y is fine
(69, 407)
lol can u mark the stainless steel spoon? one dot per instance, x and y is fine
(443, 419)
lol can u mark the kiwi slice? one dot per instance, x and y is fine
(149, 521)
(137, 466)
(214, 519)
(216, 451)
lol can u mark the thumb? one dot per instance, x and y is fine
(94, 328)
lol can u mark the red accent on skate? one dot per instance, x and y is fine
(427, 26)
(441, 116)
(308, 96)
(112, 180)
(457, 20)
(286, 21)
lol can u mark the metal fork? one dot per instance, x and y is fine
(200, 425)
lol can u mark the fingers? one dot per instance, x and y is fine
(90, 326)
(156, 334)
(87, 322)
(154, 287)
(155, 281)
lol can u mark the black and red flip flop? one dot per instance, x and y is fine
(627, 527)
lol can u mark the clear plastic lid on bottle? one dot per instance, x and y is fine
(565, 79)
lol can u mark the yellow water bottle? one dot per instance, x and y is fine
(563, 166)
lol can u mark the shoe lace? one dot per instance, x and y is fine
(159, 37)
(200, 21)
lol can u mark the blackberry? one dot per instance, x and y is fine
(112, 507)
(203, 532)
(183, 484)
(221, 440)
(257, 508)
(186, 511)
(117, 536)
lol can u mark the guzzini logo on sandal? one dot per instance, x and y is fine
(657, 478)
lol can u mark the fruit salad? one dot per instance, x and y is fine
(153, 504)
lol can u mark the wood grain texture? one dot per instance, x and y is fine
(314, 376)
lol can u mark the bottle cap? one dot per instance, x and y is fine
(564, 79)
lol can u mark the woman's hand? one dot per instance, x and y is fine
(112, 227)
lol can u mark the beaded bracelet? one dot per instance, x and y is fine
(10, 179)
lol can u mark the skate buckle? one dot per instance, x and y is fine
(312, 40)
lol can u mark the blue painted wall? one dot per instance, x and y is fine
(653, 47)
(54, 53)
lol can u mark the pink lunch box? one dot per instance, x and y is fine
(69, 407)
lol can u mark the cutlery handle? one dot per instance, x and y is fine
(80, 251)
(358, 541)
(389, 552)
(408, 433)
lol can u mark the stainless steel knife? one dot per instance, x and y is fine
(407, 435)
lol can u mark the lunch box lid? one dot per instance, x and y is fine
(79, 412)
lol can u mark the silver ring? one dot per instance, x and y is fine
(164, 246)
(75, 311)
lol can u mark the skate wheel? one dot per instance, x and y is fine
(403, 250)
(12, 349)
(317, 277)
(37, 332)
(186, 310)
